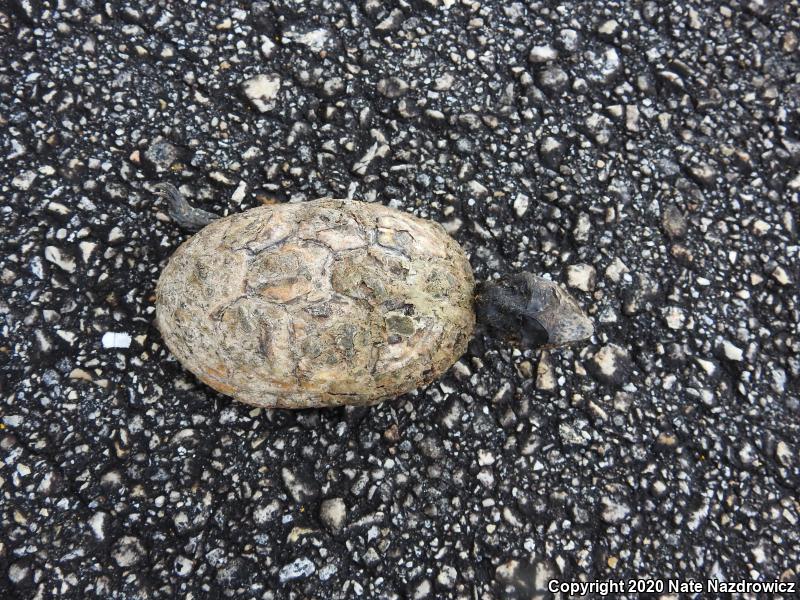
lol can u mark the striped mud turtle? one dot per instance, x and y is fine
(334, 302)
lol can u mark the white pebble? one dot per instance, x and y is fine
(521, 203)
(333, 513)
(116, 340)
(299, 569)
(732, 352)
(238, 194)
(542, 54)
(24, 180)
(581, 276)
(262, 90)
(53, 254)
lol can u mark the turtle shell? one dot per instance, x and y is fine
(320, 303)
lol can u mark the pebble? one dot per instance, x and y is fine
(674, 317)
(444, 82)
(610, 364)
(784, 454)
(574, 434)
(674, 222)
(599, 127)
(18, 571)
(423, 590)
(98, 523)
(115, 235)
(116, 340)
(542, 54)
(377, 150)
(703, 173)
(569, 40)
(732, 352)
(614, 511)
(392, 87)
(447, 577)
(545, 373)
(551, 151)
(161, 154)
(267, 46)
(554, 79)
(632, 118)
(582, 277)
(609, 28)
(24, 180)
(61, 260)
(333, 513)
(605, 66)
(183, 566)
(392, 22)
(262, 90)
(239, 193)
(128, 551)
(301, 486)
(615, 270)
(315, 39)
(780, 275)
(521, 203)
(298, 569)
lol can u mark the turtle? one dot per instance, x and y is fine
(333, 302)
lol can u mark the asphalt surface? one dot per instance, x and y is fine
(646, 154)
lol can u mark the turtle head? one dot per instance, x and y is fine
(531, 311)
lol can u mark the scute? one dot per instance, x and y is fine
(321, 303)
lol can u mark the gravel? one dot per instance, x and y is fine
(646, 153)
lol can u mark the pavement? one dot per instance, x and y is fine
(644, 154)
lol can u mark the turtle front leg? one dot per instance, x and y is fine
(184, 214)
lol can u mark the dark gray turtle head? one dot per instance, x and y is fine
(183, 213)
(531, 312)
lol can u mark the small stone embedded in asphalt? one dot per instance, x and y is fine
(545, 373)
(54, 255)
(99, 525)
(392, 87)
(675, 317)
(315, 39)
(24, 180)
(128, 551)
(298, 569)
(262, 90)
(582, 277)
(161, 154)
(333, 513)
(653, 142)
(674, 222)
(521, 204)
(551, 151)
(611, 365)
(732, 352)
(542, 54)
(614, 511)
(113, 339)
(554, 79)
(568, 40)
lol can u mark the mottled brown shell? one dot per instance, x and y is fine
(319, 303)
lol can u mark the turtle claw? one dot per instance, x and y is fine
(184, 214)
